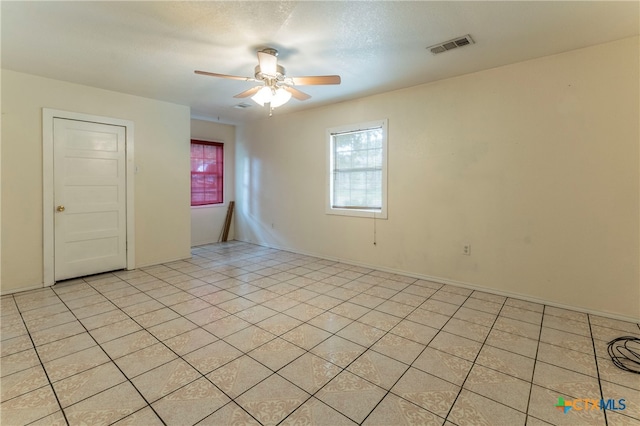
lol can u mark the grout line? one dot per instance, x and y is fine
(535, 362)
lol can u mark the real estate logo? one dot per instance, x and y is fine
(585, 404)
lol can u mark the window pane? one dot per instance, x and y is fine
(207, 173)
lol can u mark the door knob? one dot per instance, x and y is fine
(60, 208)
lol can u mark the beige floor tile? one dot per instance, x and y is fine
(617, 418)
(155, 317)
(77, 362)
(362, 334)
(446, 296)
(338, 350)
(212, 356)
(55, 419)
(628, 327)
(612, 374)
(279, 324)
(473, 409)
(98, 308)
(567, 358)
(19, 361)
(439, 307)
(414, 331)
(513, 343)
(249, 338)
(349, 310)
(87, 383)
(395, 308)
(428, 318)
(488, 297)
(162, 380)
(521, 328)
(146, 359)
(566, 382)
(380, 320)
(22, 382)
(207, 315)
(226, 326)
(58, 332)
(29, 407)
(236, 305)
(482, 305)
(419, 291)
(12, 326)
(190, 306)
(306, 336)
(576, 327)
(506, 362)
(106, 407)
(367, 300)
(310, 372)
(145, 417)
(467, 329)
(330, 322)
(113, 331)
(315, 412)
(276, 353)
(15, 345)
(543, 406)
(272, 400)
(398, 348)
(523, 304)
(106, 318)
(191, 403)
(281, 303)
(303, 312)
(566, 314)
(190, 341)
(130, 343)
(427, 391)
(631, 398)
(456, 345)
(255, 314)
(378, 369)
(398, 411)
(502, 388)
(230, 414)
(139, 309)
(239, 375)
(351, 395)
(567, 340)
(521, 314)
(171, 328)
(443, 365)
(218, 297)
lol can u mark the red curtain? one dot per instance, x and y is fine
(207, 167)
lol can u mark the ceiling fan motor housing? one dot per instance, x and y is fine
(280, 74)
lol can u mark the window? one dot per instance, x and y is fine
(358, 170)
(207, 168)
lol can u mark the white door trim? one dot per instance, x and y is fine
(48, 116)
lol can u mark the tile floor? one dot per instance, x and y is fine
(241, 334)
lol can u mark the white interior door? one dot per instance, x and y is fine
(90, 229)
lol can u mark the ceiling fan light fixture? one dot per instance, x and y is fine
(269, 95)
(280, 97)
(263, 96)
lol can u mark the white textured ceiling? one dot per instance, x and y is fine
(151, 48)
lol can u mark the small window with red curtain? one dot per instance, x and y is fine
(207, 168)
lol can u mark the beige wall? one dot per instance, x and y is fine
(536, 165)
(207, 221)
(161, 136)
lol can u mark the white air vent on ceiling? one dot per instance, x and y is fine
(242, 105)
(451, 44)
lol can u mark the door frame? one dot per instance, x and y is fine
(48, 232)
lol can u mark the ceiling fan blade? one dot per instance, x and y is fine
(316, 80)
(301, 96)
(249, 92)
(233, 77)
(268, 63)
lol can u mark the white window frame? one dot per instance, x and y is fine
(377, 214)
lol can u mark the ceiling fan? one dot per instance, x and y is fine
(275, 88)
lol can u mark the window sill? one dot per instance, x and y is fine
(358, 213)
(210, 206)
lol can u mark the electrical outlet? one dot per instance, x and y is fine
(466, 249)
